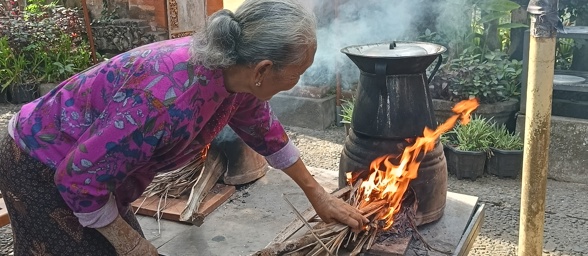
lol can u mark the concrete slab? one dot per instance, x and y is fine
(254, 216)
(247, 222)
(304, 112)
(446, 233)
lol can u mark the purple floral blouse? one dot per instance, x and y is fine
(109, 130)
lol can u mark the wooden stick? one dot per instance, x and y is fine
(287, 246)
(214, 167)
(89, 31)
(307, 225)
(308, 214)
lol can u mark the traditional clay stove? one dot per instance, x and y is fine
(393, 104)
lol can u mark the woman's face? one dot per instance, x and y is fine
(285, 79)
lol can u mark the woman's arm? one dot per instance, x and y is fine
(255, 123)
(328, 207)
(126, 240)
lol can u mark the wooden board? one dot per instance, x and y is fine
(392, 247)
(217, 196)
(4, 219)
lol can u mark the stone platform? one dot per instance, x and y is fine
(568, 148)
(254, 216)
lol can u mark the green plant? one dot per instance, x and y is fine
(5, 56)
(492, 17)
(48, 39)
(564, 53)
(16, 71)
(504, 139)
(491, 77)
(474, 136)
(347, 111)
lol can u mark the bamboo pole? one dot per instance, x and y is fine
(537, 125)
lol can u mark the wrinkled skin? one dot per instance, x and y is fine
(126, 240)
(327, 206)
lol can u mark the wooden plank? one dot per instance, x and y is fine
(174, 206)
(390, 247)
(4, 219)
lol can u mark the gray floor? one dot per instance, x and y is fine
(247, 222)
(254, 216)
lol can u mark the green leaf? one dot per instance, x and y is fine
(499, 5)
(492, 16)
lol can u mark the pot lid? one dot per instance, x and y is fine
(398, 51)
(395, 50)
(567, 79)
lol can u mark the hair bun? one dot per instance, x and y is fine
(224, 33)
(227, 12)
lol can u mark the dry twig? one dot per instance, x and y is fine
(330, 238)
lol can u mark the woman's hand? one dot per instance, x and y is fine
(126, 240)
(330, 209)
(327, 206)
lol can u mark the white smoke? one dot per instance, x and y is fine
(373, 21)
(357, 22)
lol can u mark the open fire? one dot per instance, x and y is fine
(381, 197)
(389, 181)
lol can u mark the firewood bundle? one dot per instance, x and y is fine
(331, 238)
(193, 180)
(175, 183)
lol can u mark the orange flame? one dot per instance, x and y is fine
(204, 151)
(389, 181)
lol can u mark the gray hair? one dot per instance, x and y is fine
(276, 30)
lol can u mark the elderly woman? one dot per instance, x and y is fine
(74, 160)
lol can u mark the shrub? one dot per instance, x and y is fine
(474, 136)
(491, 77)
(43, 43)
(503, 139)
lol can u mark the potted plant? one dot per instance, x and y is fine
(466, 148)
(42, 46)
(5, 71)
(491, 77)
(20, 86)
(506, 153)
(477, 64)
(347, 114)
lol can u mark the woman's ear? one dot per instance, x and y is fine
(262, 70)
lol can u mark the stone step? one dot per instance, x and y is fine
(158, 35)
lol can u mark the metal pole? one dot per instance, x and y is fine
(544, 22)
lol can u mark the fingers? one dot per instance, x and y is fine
(352, 217)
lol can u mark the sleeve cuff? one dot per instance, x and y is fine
(284, 157)
(101, 217)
